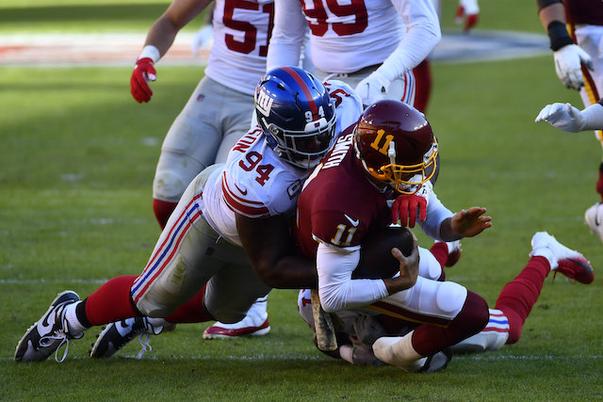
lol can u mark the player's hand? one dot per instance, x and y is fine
(409, 267)
(144, 71)
(373, 88)
(563, 116)
(467, 14)
(407, 207)
(568, 62)
(470, 222)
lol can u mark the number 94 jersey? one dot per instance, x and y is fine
(255, 182)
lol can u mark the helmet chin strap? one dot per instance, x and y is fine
(391, 152)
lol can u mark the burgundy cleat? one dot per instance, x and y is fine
(577, 268)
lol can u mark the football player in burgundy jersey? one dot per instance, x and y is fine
(230, 214)
(358, 329)
(575, 29)
(390, 153)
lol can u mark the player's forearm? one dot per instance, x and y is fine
(593, 117)
(552, 18)
(287, 35)
(162, 35)
(447, 233)
(437, 214)
(292, 272)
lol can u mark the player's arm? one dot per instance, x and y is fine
(159, 39)
(569, 118)
(287, 34)
(268, 244)
(567, 55)
(338, 291)
(442, 224)
(422, 35)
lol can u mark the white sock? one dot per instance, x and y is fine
(74, 324)
(546, 253)
(398, 351)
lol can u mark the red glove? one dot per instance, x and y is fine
(405, 209)
(467, 14)
(144, 71)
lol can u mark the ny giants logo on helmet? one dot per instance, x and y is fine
(263, 102)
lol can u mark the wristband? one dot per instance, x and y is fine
(151, 52)
(558, 35)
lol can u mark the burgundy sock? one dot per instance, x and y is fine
(518, 297)
(422, 74)
(109, 303)
(440, 252)
(428, 339)
(600, 181)
(192, 311)
(163, 210)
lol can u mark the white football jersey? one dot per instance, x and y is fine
(241, 34)
(345, 36)
(256, 182)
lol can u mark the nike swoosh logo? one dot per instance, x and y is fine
(352, 221)
(45, 325)
(241, 191)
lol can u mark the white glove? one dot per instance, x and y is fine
(567, 65)
(563, 116)
(373, 88)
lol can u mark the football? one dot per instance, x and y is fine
(376, 260)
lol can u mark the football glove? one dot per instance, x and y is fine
(568, 62)
(467, 14)
(406, 207)
(563, 116)
(373, 88)
(144, 71)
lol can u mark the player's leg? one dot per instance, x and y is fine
(189, 147)
(448, 313)
(517, 297)
(178, 267)
(422, 76)
(447, 254)
(231, 296)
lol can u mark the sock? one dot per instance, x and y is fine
(428, 339)
(109, 303)
(71, 316)
(440, 252)
(163, 210)
(422, 74)
(192, 311)
(600, 182)
(518, 297)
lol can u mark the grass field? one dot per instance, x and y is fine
(77, 163)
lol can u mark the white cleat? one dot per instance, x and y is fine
(545, 245)
(255, 323)
(593, 217)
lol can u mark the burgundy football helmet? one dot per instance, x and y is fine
(396, 146)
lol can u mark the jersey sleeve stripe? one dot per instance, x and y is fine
(226, 188)
(246, 210)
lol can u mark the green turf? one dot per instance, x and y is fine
(77, 160)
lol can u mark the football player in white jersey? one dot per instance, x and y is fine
(198, 270)
(219, 110)
(372, 45)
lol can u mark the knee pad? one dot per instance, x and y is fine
(169, 185)
(450, 298)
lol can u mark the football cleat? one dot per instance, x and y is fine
(593, 217)
(255, 323)
(454, 253)
(563, 259)
(116, 335)
(387, 349)
(49, 333)
(244, 327)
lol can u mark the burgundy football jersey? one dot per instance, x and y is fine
(338, 204)
(588, 12)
